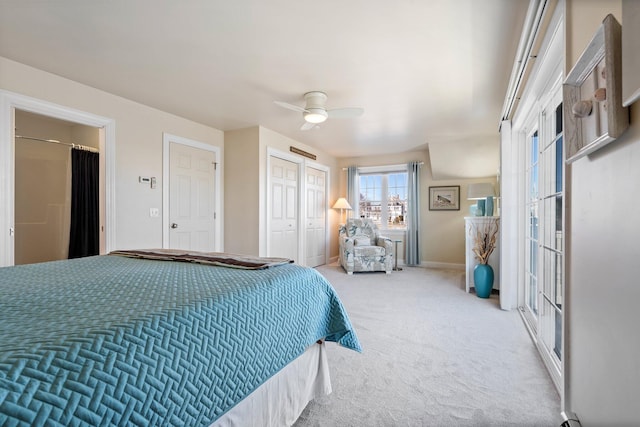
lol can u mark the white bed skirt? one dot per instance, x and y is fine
(282, 398)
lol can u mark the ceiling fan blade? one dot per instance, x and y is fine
(307, 126)
(290, 106)
(345, 113)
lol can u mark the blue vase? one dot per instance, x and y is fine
(480, 208)
(488, 206)
(483, 280)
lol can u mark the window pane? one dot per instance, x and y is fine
(553, 277)
(533, 257)
(533, 183)
(558, 165)
(553, 223)
(551, 329)
(559, 119)
(532, 294)
(383, 198)
(533, 167)
(370, 192)
(552, 164)
(397, 199)
(533, 222)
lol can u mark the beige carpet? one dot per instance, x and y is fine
(433, 356)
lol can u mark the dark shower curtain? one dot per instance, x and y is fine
(84, 239)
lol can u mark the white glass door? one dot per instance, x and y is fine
(543, 284)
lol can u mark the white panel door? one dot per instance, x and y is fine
(191, 198)
(283, 215)
(315, 222)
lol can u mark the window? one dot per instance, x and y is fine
(383, 198)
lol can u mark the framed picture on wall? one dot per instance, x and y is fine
(592, 99)
(444, 198)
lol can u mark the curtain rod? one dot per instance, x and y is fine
(55, 141)
(404, 165)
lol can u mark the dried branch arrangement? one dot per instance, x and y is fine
(485, 240)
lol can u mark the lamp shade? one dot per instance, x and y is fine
(342, 204)
(480, 190)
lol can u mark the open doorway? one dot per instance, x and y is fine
(10, 103)
(43, 189)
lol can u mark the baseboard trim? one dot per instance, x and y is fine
(442, 265)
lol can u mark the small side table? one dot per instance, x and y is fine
(395, 254)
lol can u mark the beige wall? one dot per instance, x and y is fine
(242, 175)
(138, 148)
(602, 366)
(442, 237)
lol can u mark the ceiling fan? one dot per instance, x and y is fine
(315, 110)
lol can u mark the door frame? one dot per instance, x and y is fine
(302, 189)
(9, 102)
(167, 139)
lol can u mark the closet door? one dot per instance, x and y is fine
(315, 218)
(283, 209)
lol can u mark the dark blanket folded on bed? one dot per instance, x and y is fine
(111, 340)
(211, 258)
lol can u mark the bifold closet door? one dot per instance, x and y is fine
(315, 220)
(283, 212)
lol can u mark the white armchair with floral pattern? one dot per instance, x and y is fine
(363, 249)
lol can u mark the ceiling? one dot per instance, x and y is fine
(426, 72)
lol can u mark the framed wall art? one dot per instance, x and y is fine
(444, 198)
(630, 52)
(592, 94)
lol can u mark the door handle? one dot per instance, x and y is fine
(174, 225)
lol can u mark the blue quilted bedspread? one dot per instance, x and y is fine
(117, 341)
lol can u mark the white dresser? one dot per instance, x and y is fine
(480, 223)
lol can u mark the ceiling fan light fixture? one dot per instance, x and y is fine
(315, 115)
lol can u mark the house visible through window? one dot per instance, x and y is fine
(383, 198)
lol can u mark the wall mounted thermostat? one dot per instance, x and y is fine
(148, 180)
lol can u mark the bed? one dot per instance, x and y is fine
(124, 340)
